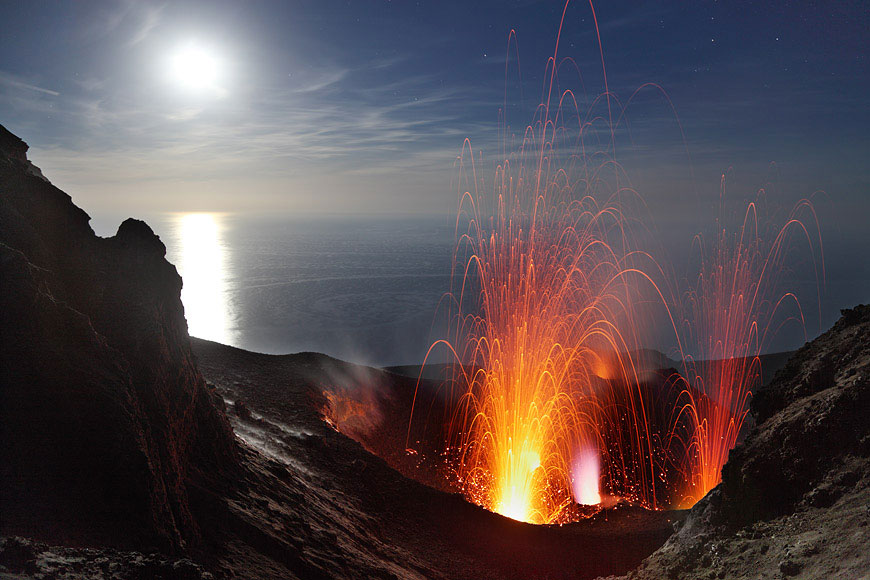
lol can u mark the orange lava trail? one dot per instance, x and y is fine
(734, 306)
(552, 298)
(547, 280)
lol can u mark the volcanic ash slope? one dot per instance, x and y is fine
(795, 497)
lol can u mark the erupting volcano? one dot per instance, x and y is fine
(545, 326)
(734, 306)
(544, 323)
(319, 351)
(552, 405)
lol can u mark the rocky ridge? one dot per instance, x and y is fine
(107, 425)
(795, 496)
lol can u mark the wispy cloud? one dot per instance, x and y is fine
(17, 83)
(130, 21)
(318, 81)
(331, 124)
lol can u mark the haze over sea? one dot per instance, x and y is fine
(362, 288)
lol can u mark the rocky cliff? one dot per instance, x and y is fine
(795, 496)
(108, 430)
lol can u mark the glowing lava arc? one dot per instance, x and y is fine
(546, 403)
(545, 291)
(549, 304)
(735, 306)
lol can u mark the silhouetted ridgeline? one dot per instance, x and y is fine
(108, 429)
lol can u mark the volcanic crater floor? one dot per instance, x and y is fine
(319, 504)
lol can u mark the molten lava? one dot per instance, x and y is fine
(552, 294)
(546, 283)
(585, 473)
(733, 308)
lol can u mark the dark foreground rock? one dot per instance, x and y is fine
(21, 557)
(795, 497)
(107, 427)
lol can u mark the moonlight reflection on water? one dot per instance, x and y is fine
(203, 268)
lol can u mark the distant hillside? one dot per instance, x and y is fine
(649, 358)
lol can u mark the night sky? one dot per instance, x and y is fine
(324, 106)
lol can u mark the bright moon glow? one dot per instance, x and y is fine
(195, 68)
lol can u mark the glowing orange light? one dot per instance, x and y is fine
(551, 406)
(731, 311)
(585, 473)
(546, 281)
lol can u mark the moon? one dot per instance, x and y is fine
(195, 68)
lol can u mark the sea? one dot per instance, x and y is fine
(372, 289)
(363, 289)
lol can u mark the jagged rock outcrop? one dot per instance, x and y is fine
(107, 427)
(795, 496)
(814, 418)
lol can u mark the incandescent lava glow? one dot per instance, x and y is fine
(546, 282)
(514, 502)
(585, 472)
(550, 403)
(545, 290)
(735, 305)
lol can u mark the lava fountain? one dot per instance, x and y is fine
(734, 306)
(544, 321)
(550, 406)
(543, 303)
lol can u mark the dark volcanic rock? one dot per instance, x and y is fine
(813, 416)
(795, 496)
(20, 557)
(320, 506)
(106, 423)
